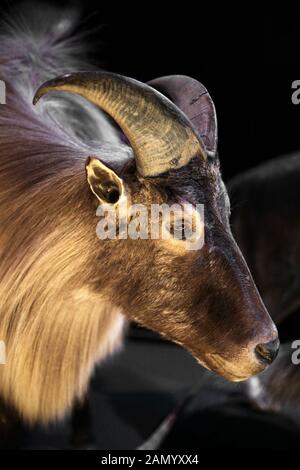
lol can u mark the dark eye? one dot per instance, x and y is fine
(179, 228)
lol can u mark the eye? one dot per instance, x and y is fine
(184, 224)
(177, 229)
(181, 229)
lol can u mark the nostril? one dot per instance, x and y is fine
(267, 352)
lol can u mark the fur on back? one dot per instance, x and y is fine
(55, 328)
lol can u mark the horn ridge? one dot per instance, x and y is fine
(196, 103)
(161, 136)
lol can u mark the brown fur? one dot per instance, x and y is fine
(53, 326)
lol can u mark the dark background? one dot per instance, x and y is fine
(247, 59)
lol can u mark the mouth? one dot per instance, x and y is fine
(227, 369)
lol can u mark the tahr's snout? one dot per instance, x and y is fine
(267, 352)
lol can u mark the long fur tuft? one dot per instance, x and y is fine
(54, 326)
(36, 46)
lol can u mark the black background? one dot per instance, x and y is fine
(247, 59)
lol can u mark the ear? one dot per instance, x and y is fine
(104, 182)
(194, 100)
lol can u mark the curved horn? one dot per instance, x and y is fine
(161, 136)
(194, 100)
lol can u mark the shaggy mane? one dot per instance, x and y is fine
(45, 209)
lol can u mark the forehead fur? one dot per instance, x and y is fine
(196, 183)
